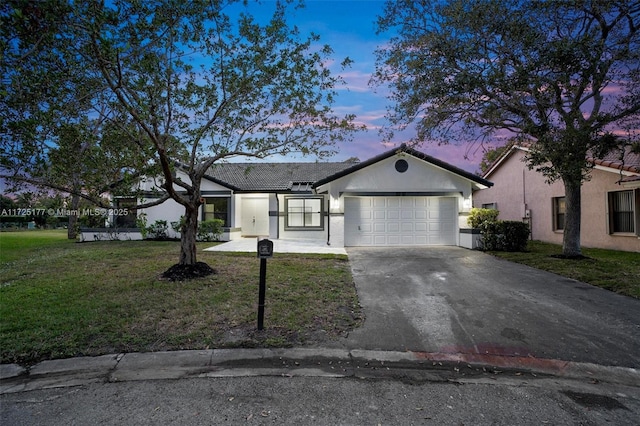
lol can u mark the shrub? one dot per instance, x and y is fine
(141, 223)
(210, 230)
(158, 230)
(516, 235)
(504, 235)
(177, 225)
(478, 216)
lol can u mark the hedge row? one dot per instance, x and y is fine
(499, 235)
(504, 235)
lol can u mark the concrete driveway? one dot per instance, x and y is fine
(454, 300)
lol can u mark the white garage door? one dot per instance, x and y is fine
(388, 221)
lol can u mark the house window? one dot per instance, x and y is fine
(559, 211)
(622, 212)
(216, 208)
(491, 206)
(125, 205)
(304, 213)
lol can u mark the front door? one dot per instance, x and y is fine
(255, 217)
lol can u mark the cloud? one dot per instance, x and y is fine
(356, 81)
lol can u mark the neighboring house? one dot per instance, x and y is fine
(401, 197)
(610, 200)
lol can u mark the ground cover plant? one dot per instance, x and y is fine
(61, 299)
(617, 271)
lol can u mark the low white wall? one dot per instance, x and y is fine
(470, 238)
(231, 234)
(109, 234)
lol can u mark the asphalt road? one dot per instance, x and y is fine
(453, 300)
(326, 401)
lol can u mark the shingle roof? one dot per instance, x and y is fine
(303, 177)
(273, 177)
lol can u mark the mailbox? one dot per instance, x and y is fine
(265, 249)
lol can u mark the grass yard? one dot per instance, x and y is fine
(14, 245)
(617, 271)
(61, 299)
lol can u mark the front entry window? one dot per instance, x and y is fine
(126, 217)
(304, 213)
(216, 208)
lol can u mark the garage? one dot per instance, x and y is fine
(399, 220)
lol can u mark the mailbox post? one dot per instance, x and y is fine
(265, 251)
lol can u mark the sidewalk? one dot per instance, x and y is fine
(307, 362)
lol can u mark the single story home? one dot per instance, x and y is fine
(401, 197)
(610, 200)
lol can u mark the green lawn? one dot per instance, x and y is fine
(16, 244)
(60, 299)
(617, 271)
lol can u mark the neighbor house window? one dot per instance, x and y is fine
(124, 215)
(622, 211)
(304, 213)
(216, 208)
(490, 206)
(559, 211)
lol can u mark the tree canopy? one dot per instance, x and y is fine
(565, 75)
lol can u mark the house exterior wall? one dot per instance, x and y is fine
(171, 210)
(266, 213)
(520, 192)
(382, 178)
(280, 220)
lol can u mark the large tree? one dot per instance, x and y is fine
(197, 82)
(563, 74)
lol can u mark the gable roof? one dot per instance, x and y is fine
(273, 177)
(404, 148)
(628, 162)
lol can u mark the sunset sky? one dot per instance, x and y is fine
(349, 28)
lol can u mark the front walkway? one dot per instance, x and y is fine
(280, 246)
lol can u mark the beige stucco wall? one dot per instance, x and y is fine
(517, 189)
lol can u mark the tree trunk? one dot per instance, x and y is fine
(571, 236)
(188, 234)
(72, 227)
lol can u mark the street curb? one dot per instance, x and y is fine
(290, 362)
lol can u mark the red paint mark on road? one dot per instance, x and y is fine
(550, 366)
(488, 349)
